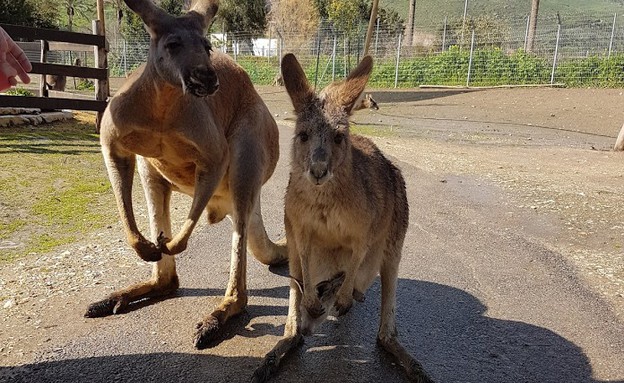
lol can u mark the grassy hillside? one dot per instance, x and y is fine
(430, 12)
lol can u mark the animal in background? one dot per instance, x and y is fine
(368, 102)
(56, 82)
(346, 216)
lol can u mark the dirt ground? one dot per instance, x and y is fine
(549, 150)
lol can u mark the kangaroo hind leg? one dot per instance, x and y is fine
(164, 280)
(387, 335)
(245, 182)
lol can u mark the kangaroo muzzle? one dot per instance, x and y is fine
(202, 82)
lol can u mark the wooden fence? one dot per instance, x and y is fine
(68, 41)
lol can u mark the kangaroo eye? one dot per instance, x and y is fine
(173, 45)
(338, 138)
(303, 136)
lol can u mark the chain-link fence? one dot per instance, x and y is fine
(575, 50)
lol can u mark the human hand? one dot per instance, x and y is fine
(13, 62)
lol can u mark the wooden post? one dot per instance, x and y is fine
(101, 86)
(619, 143)
(409, 28)
(532, 26)
(43, 89)
(100, 14)
(371, 24)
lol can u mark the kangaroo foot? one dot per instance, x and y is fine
(118, 301)
(413, 369)
(109, 306)
(208, 333)
(272, 360)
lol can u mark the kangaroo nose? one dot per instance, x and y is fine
(318, 169)
(203, 81)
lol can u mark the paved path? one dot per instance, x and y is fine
(478, 301)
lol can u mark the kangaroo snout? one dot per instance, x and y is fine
(319, 167)
(202, 81)
(319, 172)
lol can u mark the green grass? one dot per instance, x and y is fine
(53, 186)
(430, 12)
(372, 130)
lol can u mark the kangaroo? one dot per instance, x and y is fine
(346, 215)
(56, 82)
(368, 102)
(191, 121)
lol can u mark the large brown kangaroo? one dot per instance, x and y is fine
(193, 123)
(346, 215)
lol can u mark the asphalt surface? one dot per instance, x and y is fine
(478, 301)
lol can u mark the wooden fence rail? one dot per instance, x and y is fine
(99, 74)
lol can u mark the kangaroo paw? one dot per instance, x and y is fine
(358, 296)
(343, 308)
(109, 306)
(207, 333)
(266, 370)
(316, 310)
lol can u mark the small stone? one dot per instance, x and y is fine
(9, 303)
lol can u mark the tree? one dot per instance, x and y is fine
(84, 9)
(410, 23)
(27, 12)
(247, 16)
(532, 26)
(243, 20)
(295, 20)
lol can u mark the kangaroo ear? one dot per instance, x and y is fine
(206, 10)
(346, 93)
(296, 83)
(150, 13)
(329, 288)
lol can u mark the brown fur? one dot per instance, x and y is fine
(218, 146)
(56, 82)
(346, 215)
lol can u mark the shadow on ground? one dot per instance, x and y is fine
(398, 96)
(444, 327)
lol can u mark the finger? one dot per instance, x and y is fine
(21, 73)
(6, 70)
(19, 55)
(12, 81)
(4, 46)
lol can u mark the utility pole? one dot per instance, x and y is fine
(409, 31)
(371, 26)
(532, 26)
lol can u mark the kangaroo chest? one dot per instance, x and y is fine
(174, 155)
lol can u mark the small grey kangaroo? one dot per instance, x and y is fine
(346, 215)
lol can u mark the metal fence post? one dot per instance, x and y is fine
(318, 56)
(526, 32)
(470, 60)
(334, 59)
(125, 57)
(612, 35)
(552, 74)
(398, 58)
(377, 36)
(444, 33)
(463, 24)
